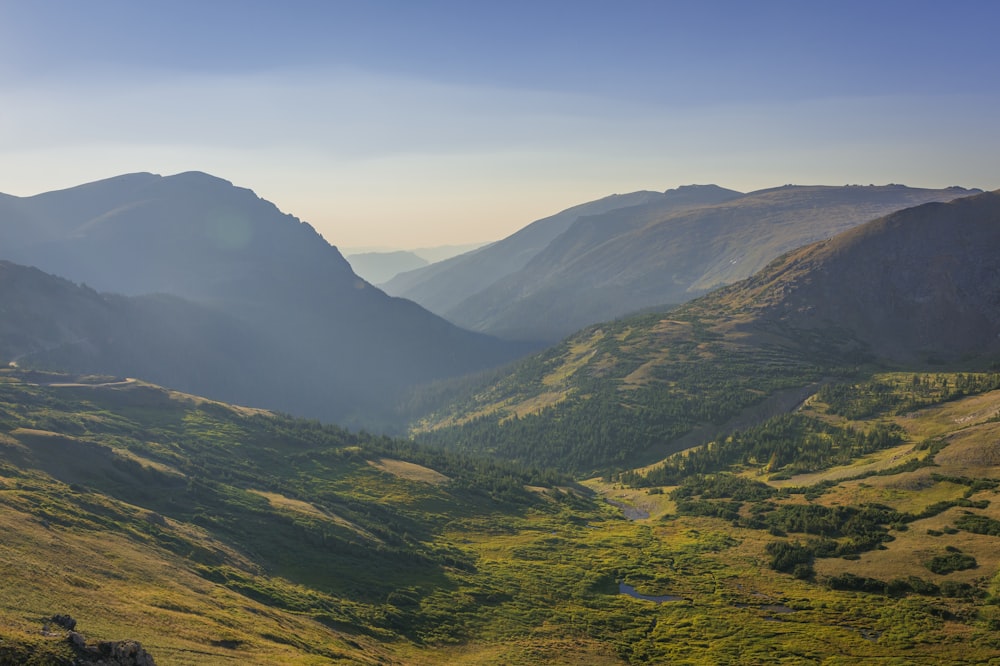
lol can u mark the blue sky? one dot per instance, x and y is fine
(406, 124)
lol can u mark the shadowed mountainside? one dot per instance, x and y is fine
(339, 347)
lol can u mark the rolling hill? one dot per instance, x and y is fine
(327, 343)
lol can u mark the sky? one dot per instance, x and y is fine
(415, 123)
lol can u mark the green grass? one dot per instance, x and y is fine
(216, 536)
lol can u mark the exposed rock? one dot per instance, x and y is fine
(109, 653)
(123, 653)
(65, 621)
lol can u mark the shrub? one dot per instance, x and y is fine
(956, 561)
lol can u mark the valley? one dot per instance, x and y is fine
(375, 552)
(794, 468)
(499, 334)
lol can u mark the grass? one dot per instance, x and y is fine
(214, 537)
(579, 354)
(410, 471)
(119, 586)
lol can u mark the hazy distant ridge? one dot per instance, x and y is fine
(441, 286)
(655, 249)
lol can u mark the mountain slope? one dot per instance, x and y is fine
(338, 346)
(608, 265)
(444, 285)
(51, 323)
(630, 392)
(214, 534)
(918, 286)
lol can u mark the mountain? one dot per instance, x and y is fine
(823, 503)
(657, 253)
(437, 253)
(331, 345)
(916, 287)
(916, 290)
(376, 267)
(442, 286)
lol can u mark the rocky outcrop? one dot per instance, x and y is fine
(109, 653)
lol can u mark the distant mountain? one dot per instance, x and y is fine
(443, 286)
(657, 253)
(918, 289)
(339, 346)
(376, 267)
(437, 253)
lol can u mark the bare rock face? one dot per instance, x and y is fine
(123, 653)
(109, 653)
(65, 621)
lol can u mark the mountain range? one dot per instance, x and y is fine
(800, 466)
(917, 289)
(623, 254)
(307, 334)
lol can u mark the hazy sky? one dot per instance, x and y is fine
(417, 122)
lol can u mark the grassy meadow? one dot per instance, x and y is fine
(216, 535)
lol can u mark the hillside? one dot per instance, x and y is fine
(331, 345)
(209, 532)
(214, 534)
(51, 323)
(917, 287)
(621, 261)
(443, 286)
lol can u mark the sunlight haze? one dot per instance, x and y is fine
(418, 124)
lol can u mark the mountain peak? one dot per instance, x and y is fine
(711, 187)
(199, 177)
